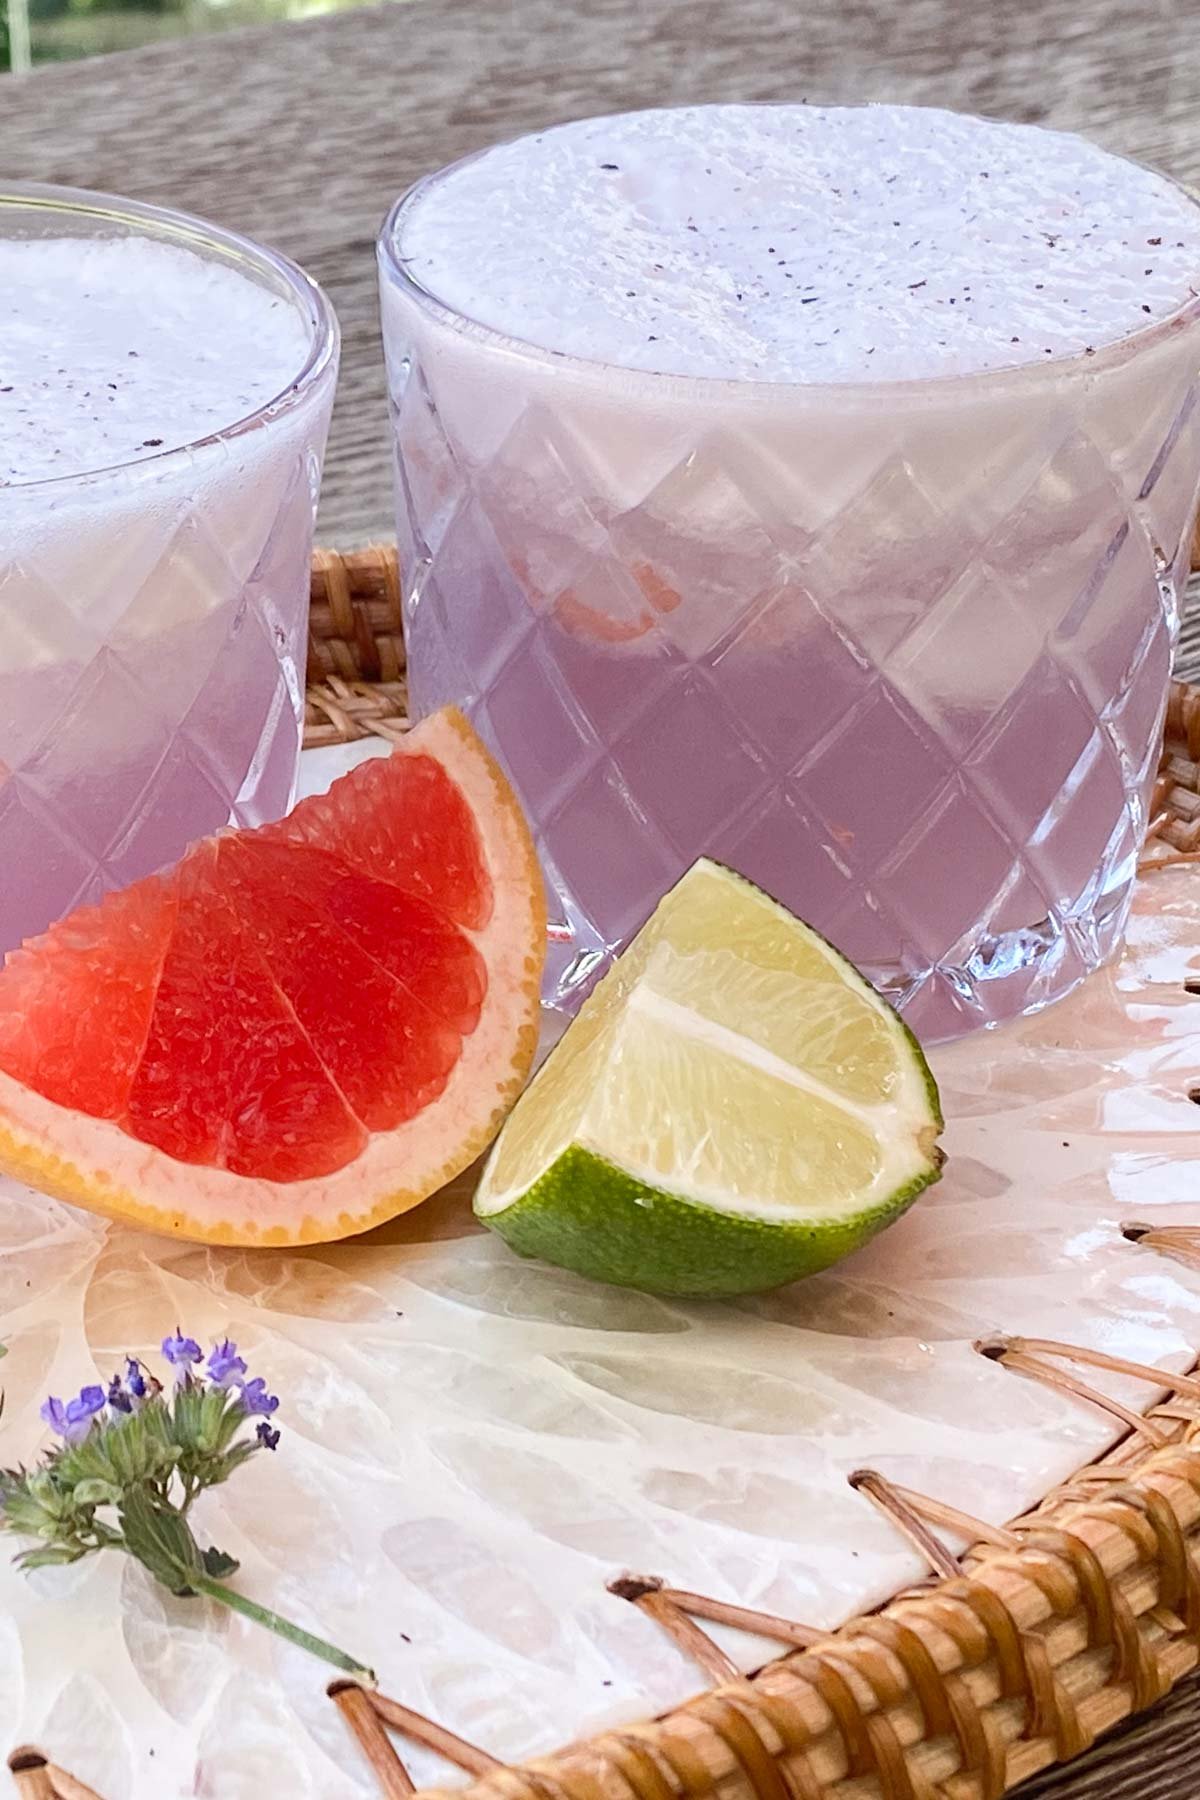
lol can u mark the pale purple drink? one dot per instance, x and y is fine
(808, 489)
(165, 392)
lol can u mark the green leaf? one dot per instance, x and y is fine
(218, 1564)
(232, 1420)
(155, 1416)
(187, 1415)
(42, 1486)
(22, 1513)
(212, 1409)
(220, 1468)
(88, 1461)
(130, 1450)
(52, 1557)
(22, 1509)
(161, 1541)
(163, 1449)
(97, 1493)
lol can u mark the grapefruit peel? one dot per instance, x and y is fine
(94, 1163)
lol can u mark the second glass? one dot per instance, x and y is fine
(897, 652)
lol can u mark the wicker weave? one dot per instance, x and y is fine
(1047, 1634)
(1175, 810)
(355, 648)
(355, 626)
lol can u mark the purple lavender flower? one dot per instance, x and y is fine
(81, 1411)
(256, 1399)
(55, 1415)
(127, 1392)
(181, 1352)
(73, 1421)
(225, 1367)
(145, 1454)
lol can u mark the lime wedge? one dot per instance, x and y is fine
(733, 1108)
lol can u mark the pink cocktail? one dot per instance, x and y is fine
(165, 391)
(808, 489)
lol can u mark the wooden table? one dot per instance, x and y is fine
(301, 135)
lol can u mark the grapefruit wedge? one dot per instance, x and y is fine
(298, 1031)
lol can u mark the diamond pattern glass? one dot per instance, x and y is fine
(152, 637)
(898, 654)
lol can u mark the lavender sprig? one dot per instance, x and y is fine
(132, 1459)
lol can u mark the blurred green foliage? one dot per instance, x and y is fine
(57, 9)
(72, 28)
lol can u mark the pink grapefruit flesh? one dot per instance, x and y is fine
(299, 1031)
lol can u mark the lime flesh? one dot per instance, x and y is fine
(734, 1107)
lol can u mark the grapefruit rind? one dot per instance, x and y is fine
(92, 1163)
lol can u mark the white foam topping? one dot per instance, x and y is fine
(796, 243)
(114, 350)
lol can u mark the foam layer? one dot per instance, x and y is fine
(113, 350)
(805, 243)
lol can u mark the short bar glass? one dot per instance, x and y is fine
(898, 652)
(152, 615)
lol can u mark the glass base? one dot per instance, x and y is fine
(1007, 974)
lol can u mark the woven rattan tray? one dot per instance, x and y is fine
(355, 648)
(1025, 1644)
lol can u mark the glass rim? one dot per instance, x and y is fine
(203, 237)
(1116, 352)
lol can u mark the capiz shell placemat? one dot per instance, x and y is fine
(476, 1446)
